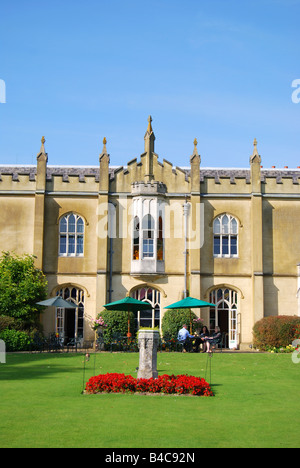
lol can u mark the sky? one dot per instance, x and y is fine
(220, 71)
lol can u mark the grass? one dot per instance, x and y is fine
(256, 403)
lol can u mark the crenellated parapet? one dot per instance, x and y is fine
(212, 180)
(148, 174)
(148, 188)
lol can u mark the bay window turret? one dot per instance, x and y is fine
(148, 229)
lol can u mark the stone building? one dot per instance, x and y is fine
(158, 232)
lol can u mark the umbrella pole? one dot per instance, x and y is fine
(128, 332)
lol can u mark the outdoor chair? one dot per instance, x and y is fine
(180, 345)
(38, 343)
(220, 343)
(185, 345)
(72, 345)
(117, 341)
(54, 343)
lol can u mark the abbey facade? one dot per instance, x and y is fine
(158, 233)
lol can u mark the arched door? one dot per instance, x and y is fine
(70, 322)
(225, 314)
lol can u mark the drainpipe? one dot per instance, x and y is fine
(110, 253)
(111, 233)
(185, 215)
(298, 289)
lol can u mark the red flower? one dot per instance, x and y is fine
(180, 384)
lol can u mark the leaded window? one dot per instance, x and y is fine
(225, 236)
(71, 236)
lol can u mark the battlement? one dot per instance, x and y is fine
(148, 188)
(130, 179)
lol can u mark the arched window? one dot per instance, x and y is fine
(225, 236)
(148, 236)
(160, 239)
(151, 317)
(136, 239)
(71, 235)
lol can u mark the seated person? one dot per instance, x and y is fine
(211, 341)
(203, 336)
(184, 337)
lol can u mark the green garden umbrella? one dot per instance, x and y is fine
(128, 304)
(58, 301)
(190, 303)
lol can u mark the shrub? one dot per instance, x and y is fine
(174, 319)
(297, 332)
(117, 323)
(16, 340)
(275, 332)
(171, 384)
(6, 322)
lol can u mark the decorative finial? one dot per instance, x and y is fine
(195, 152)
(42, 150)
(255, 152)
(104, 151)
(42, 153)
(149, 129)
(255, 156)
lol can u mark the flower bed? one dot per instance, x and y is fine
(170, 384)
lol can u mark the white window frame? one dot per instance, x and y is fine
(142, 207)
(229, 231)
(68, 234)
(156, 319)
(76, 296)
(220, 297)
(148, 241)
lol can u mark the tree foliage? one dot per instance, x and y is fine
(22, 285)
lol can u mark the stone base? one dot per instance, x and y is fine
(148, 344)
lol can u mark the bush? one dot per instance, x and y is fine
(173, 320)
(275, 332)
(16, 340)
(117, 323)
(6, 322)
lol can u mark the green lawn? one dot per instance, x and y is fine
(256, 403)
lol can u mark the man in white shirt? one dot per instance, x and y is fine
(184, 337)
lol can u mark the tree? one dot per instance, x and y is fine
(22, 285)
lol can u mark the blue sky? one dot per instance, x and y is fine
(219, 70)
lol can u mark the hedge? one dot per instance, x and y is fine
(16, 340)
(275, 332)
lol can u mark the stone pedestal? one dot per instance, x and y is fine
(148, 344)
